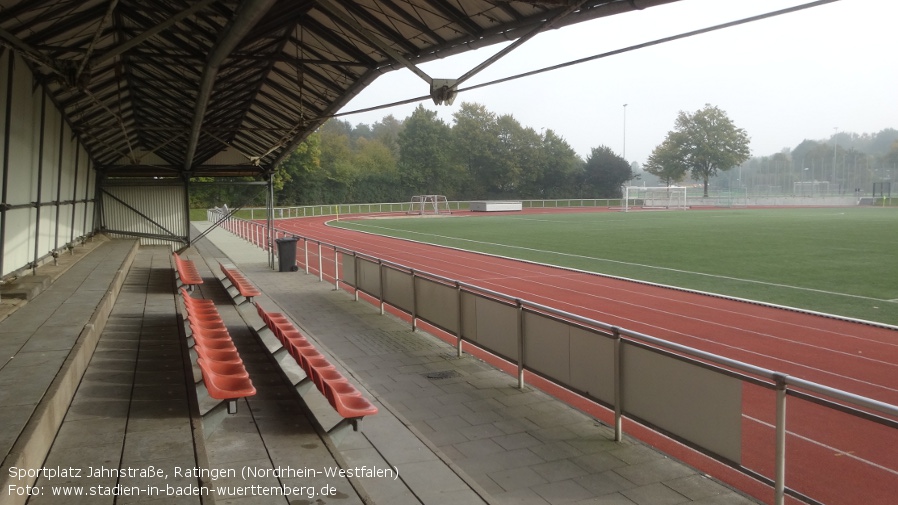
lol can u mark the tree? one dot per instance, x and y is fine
(476, 142)
(425, 162)
(891, 159)
(302, 174)
(337, 162)
(666, 163)
(377, 173)
(707, 141)
(561, 168)
(386, 131)
(606, 172)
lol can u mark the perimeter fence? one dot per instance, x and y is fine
(722, 199)
(729, 410)
(288, 212)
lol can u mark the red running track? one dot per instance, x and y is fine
(833, 457)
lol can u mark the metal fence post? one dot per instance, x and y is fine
(414, 303)
(305, 252)
(520, 307)
(779, 480)
(355, 274)
(458, 337)
(320, 265)
(380, 272)
(336, 270)
(618, 389)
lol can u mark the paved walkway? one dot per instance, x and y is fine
(450, 430)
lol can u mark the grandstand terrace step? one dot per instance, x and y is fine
(49, 341)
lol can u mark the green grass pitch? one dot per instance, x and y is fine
(834, 260)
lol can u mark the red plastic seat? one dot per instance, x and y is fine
(189, 300)
(240, 282)
(225, 387)
(324, 375)
(343, 387)
(228, 368)
(187, 272)
(207, 324)
(205, 334)
(345, 398)
(348, 406)
(219, 355)
(215, 344)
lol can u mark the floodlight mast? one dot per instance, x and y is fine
(624, 152)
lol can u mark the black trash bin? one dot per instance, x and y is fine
(287, 254)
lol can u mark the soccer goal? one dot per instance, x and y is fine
(429, 204)
(659, 197)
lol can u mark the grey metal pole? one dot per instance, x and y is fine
(355, 273)
(414, 303)
(459, 321)
(336, 269)
(618, 390)
(7, 136)
(320, 265)
(270, 210)
(40, 183)
(520, 308)
(380, 272)
(779, 481)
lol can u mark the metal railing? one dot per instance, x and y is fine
(717, 198)
(696, 387)
(289, 212)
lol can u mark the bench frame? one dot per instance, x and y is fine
(204, 321)
(239, 282)
(187, 271)
(335, 387)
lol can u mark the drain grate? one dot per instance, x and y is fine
(445, 374)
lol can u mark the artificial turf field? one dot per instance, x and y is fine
(840, 261)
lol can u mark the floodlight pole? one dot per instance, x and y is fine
(836, 130)
(624, 153)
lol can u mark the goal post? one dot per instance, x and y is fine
(654, 197)
(428, 204)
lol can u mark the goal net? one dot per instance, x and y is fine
(660, 197)
(429, 204)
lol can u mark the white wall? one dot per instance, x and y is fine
(60, 171)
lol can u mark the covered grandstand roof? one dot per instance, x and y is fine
(227, 87)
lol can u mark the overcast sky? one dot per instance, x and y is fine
(785, 79)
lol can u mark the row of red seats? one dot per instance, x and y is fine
(241, 283)
(223, 371)
(187, 272)
(340, 393)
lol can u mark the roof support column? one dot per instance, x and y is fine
(7, 134)
(40, 182)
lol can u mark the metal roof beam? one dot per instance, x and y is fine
(374, 39)
(146, 34)
(248, 14)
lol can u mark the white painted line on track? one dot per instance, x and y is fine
(838, 452)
